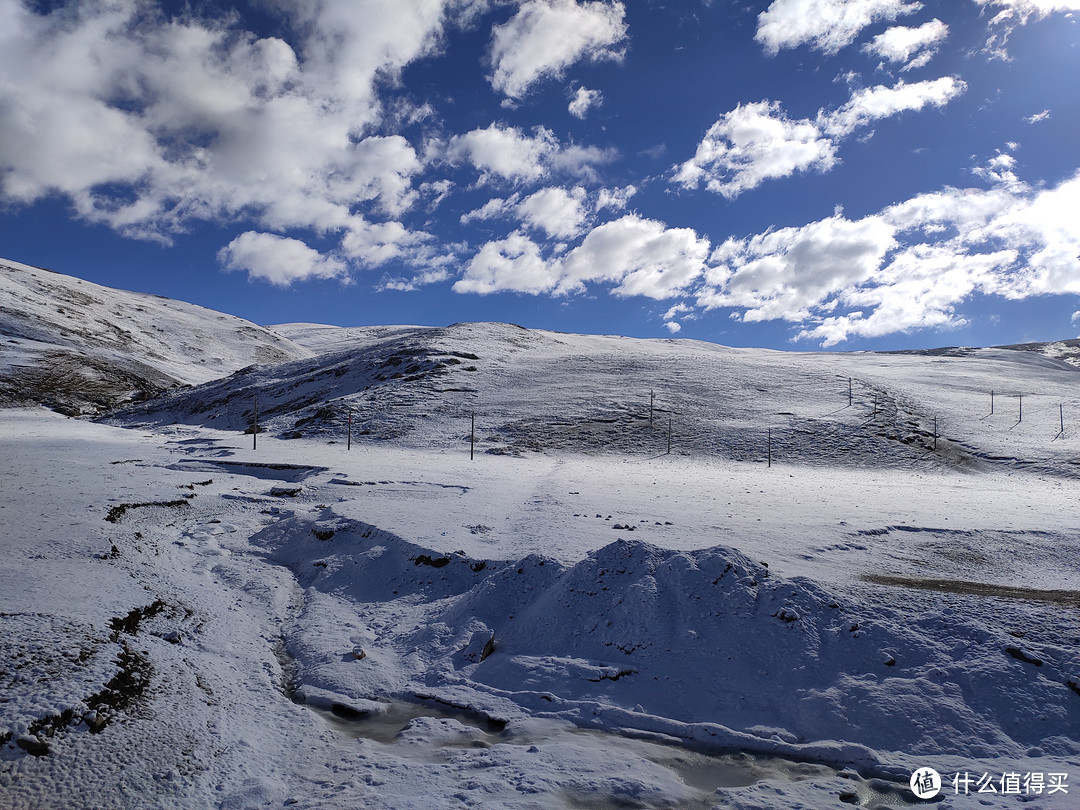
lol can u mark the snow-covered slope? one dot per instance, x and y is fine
(672, 574)
(77, 346)
(531, 390)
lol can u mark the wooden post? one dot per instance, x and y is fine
(1021, 419)
(769, 464)
(1061, 416)
(348, 441)
(472, 435)
(935, 433)
(849, 391)
(669, 435)
(652, 395)
(991, 403)
(255, 432)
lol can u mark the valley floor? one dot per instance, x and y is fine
(188, 622)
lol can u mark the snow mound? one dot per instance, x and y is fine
(704, 645)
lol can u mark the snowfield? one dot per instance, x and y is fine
(801, 602)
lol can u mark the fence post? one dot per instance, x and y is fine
(1021, 419)
(849, 391)
(255, 432)
(348, 441)
(652, 395)
(472, 435)
(1061, 416)
(769, 464)
(935, 433)
(991, 402)
(669, 435)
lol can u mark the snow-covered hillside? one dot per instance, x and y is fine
(78, 346)
(667, 574)
(531, 390)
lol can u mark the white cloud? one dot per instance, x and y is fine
(556, 211)
(910, 266)
(499, 151)
(753, 143)
(147, 124)
(278, 259)
(1037, 117)
(758, 142)
(914, 47)
(581, 161)
(643, 256)
(673, 327)
(493, 209)
(616, 198)
(583, 101)
(638, 256)
(510, 264)
(1013, 13)
(873, 103)
(784, 274)
(825, 25)
(1076, 317)
(547, 36)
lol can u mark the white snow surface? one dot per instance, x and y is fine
(574, 617)
(87, 337)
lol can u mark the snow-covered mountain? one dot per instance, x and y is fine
(658, 574)
(81, 347)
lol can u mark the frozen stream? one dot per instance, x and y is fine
(433, 733)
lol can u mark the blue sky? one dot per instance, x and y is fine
(797, 174)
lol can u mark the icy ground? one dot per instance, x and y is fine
(575, 617)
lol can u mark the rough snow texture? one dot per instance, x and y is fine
(80, 347)
(575, 617)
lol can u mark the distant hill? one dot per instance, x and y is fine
(79, 347)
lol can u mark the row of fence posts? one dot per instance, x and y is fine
(652, 401)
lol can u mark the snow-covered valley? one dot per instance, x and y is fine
(656, 574)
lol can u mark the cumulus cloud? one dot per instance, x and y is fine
(758, 142)
(673, 327)
(502, 152)
(910, 266)
(824, 25)
(583, 101)
(510, 264)
(753, 143)
(278, 259)
(547, 36)
(643, 256)
(912, 47)
(556, 211)
(147, 124)
(1037, 117)
(637, 256)
(506, 152)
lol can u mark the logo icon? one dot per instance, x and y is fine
(925, 783)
